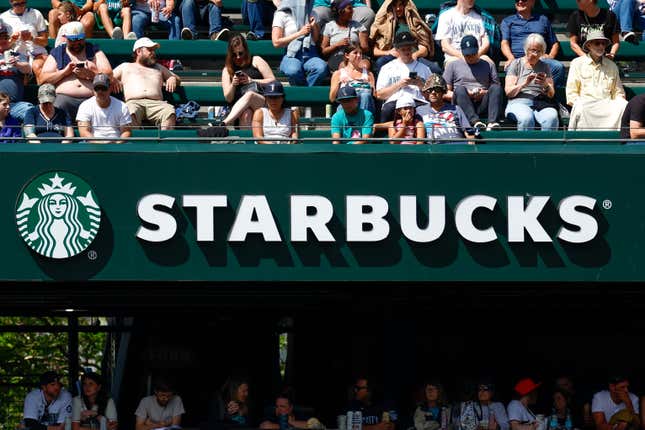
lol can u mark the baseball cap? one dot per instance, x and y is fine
(404, 38)
(74, 31)
(46, 93)
(3, 28)
(435, 81)
(345, 93)
(274, 88)
(49, 376)
(469, 45)
(101, 80)
(525, 386)
(407, 100)
(144, 42)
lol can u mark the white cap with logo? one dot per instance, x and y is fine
(144, 42)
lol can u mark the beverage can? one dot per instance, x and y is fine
(386, 417)
(341, 421)
(328, 109)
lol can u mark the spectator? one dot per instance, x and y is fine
(163, 409)
(46, 120)
(394, 17)
(257, 14)
(589, 17)
(276, 120)
(516, 28)
(363, 12)
(629, 18)
(66, 16)
(143, 83)
(519, 415)
(401, 75)
(46, 408)
(444, 122)
(428, 414)
(351, 73)
(458, 22)
(206, 11)
(284, 415)
(561, 415)
(94, 404)
(632, 125)
(361, 396)
(474, 86)
(232, 408)
(13, 69)
(163, 11)
(488, 414)
(27, 29)
(115, 16)
(530, 89)
(350, 121)
(615, 408)
(594, 88)
(295, 30)
(103, 116)
(581, 412)
(243, 76)
(343, 31)
(407, 123)
(71, 67)
(84, 12)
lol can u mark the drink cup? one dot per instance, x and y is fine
(342, 422)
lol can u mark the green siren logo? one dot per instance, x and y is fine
(58, 215)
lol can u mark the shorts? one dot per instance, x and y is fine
(157, 111)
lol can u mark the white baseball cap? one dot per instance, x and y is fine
(145, 42)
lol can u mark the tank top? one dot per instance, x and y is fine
(279, 128)
(360, 85)
(249, 70)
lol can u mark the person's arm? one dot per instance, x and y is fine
(447, 48)
(385, 93)
(279, 40)
(512, 86)
(615, 46)
(315, 30)
(553, 52)
(146, 424)
(126, 133)
(69, 134)
(268, 425)
(265, 70)
(257, 127)
(326, 48)
(176, 420)
(448, 96)
(50, 73)
(228, 85)
(41, 39)
(85, 129)
(87, 7)
(572, 89)
(102, 63)
(334, 86)
(421, 132)
(168, 9)
(600, 421)
(381, 53)
(295, 125)
(335, 142)
(422, 52)
(485, 45)
(367, 130)
(575, 47)
(364, 42)
(171, 80)
(506, 51)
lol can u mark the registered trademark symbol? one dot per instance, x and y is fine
(92, 255)
(606, 204)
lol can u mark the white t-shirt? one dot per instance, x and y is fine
(454, 25)
(150, 408)
(396, 70)
(518, 412)
(36, 407)
(78, 406)
(105, 122)
(31, 17)
(602, 403)
(285, 21)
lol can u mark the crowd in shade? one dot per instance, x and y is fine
(387, 71)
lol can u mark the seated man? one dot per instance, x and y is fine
(401, 75)
(12, 76)
(163, 409)
(206, 11)
(589, 17)
(443, 121)
(46, 408)
(284, 416)
(350, 121)
(632, 125)
(473, 85)
(615, 408)
(27, 28)
(46, 120)
(594, 89)
(371, 413)
(143, 82)
(458, 22)
(71, 67)
(103, 116)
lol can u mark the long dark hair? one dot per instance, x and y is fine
(102, 396)
(234, 42)
(229, 390)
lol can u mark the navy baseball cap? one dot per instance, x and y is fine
(469, 45)
(49, 377)
(274, 89)
(345, 93)
(404, 38)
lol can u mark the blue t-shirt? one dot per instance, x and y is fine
(352, 126)
(11, 128)
(515, 29)
(62, 59)
(42, 125)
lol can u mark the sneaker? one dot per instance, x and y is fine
(117, 33)
(223, 35)
(252, 36)
(493, 126)
(186, 34)
(131, 36)
(479, 125)
(630, 37)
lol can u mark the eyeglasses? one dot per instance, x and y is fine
(485, 388)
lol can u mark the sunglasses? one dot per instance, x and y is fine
(434, 90)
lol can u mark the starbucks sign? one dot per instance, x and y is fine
(58, 215)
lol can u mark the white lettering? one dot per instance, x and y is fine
(522, 218)
(587, 225)
(357, 218)
(436, 219)
(464, 218)
(244, 224)
(166, 224)
(204, 206)
(317, 223)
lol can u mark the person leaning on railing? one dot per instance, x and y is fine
(10, 125)
(275, 120)
(45, 119)
(93, 405)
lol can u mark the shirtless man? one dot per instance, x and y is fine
(71, 67)
(143, 82)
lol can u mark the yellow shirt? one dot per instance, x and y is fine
(598, 81)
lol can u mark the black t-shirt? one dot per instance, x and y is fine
(47, 127)
(635, 111)
(372, 414)
(580, 24)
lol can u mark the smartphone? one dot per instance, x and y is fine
(413, 75)
(80, 65)
(541, 75)
(239, 74)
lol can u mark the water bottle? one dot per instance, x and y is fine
(444, 418)
(283, 421)
(68, 423)
(103, 423)
(365, 76)
(154, 13)
(567, 423)
(553, 424)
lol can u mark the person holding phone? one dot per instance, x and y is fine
(93, 405)
(343, 31)
(530, 89)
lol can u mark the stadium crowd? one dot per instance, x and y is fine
(388, 70)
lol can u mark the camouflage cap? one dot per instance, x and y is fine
(435, 80)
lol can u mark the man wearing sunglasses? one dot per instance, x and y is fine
(46, 408)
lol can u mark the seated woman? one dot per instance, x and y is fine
(343, 31)
(276, 120)
(9, 126)
(407, 123)
(392, 18)
(243, 77)
(112, 13)
(46, 120)
(432, 408)
(93, 405)
(363, 12)
(482, 411)
(530, 89)
(84, 12)
(353, 74)
(594, 89)
(231, 406)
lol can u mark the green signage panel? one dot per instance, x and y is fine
(322, 213)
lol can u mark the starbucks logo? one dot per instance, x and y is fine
(58, 215)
